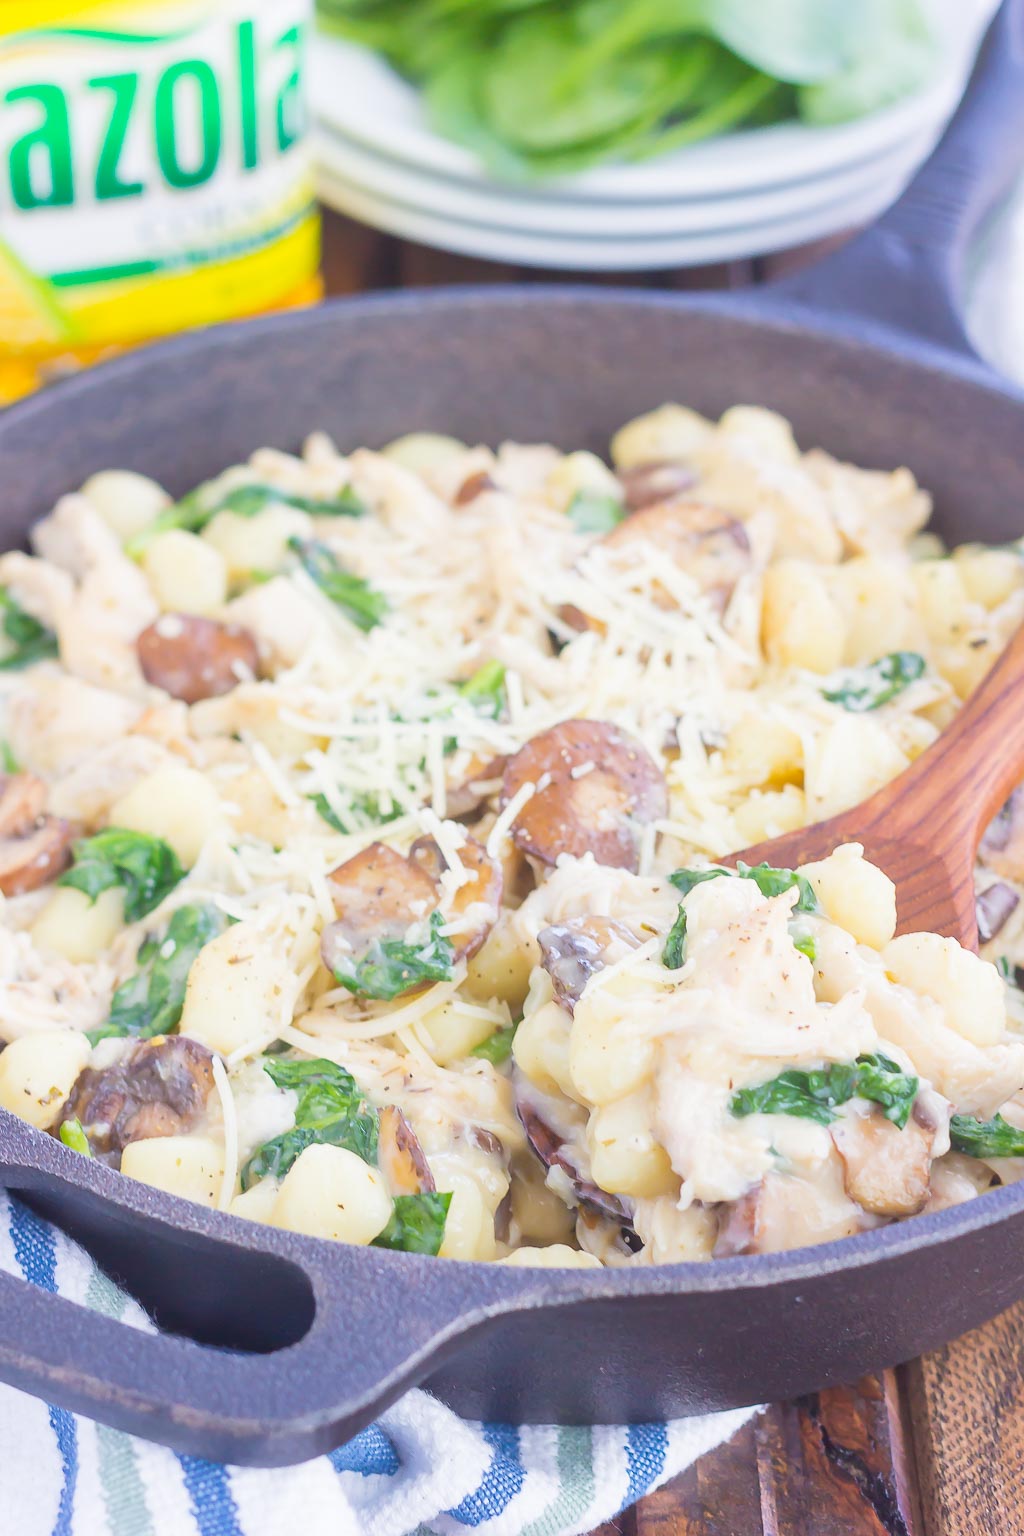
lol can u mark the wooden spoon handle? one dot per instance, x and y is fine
(946, 799)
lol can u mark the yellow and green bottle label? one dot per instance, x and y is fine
(154, 168)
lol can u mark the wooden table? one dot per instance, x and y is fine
(935, 1448)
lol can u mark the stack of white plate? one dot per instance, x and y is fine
(745, 194)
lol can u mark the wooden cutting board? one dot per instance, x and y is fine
(935, 1448)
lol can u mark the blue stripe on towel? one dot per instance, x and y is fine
(501, 1482)
(36, 1252)
(646, 1448)
(213, 1506)
(370, 1453)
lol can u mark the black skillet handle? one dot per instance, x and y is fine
(353, 1327)
(908, 270)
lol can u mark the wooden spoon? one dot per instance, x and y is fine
(924, 828)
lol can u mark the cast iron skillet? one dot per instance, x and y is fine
(316, 1338)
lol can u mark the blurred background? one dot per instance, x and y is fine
(666, 143)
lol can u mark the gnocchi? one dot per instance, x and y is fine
(360, 828)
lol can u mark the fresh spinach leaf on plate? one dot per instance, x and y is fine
(537, 88)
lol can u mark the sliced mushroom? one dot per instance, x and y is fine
(483, 1140)
(786, 1211)
(594, 789)
(193, 658)
(477, 903)
(1002, 847)
(159, 1087)
(658, 480)
(571, 952)
(995, 905)
(22, 803)
(710, 545)
(503, 1218)
(400, 1156)
(473, 486)
(474, 789)
(740, 1225)
(549, 1147)
(885, 1169)
(34, 849)
(378, 895)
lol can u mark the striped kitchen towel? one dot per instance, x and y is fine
(419, 1469)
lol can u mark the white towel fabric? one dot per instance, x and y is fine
(420, 1469)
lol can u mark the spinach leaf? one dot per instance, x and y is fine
(525, 102)
(591, 513)
(354, 596)
(891, 53)
(393, 966)
(814, 1095)
(769, 881)
(29, 640)
(772, 882)
(1012, 974)
(8, 761)
(191, 514)
(150, 1002)
(146, 867)
(417, 1224)
(73, 1136)
(673, 956)
(811, 1095)
(331, 1109)
(806, 945)
(366, 812)
(884, 1082)
(485, 690)
(539, 88)
(249, 500)
(859, 689)
(194, 511)
(985, 1138)
(497, 1048)
(684, 880)
(792, 41)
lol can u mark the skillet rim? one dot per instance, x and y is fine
(762, 309)
(767, 306)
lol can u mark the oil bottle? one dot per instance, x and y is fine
(154, 173)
